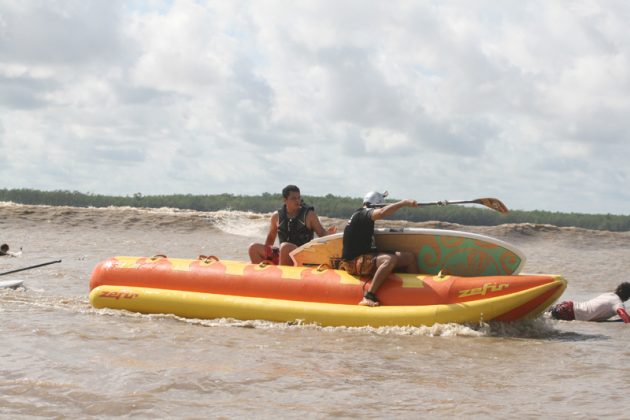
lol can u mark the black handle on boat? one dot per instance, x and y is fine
(492, 203)
(32, 266)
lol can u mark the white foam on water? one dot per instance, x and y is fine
(536, 328)
(241, 223)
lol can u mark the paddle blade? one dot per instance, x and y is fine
(493, 203)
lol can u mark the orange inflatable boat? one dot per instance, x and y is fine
(211, 288)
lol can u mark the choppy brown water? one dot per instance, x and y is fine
(61, 358)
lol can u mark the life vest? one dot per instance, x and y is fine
(294, 230)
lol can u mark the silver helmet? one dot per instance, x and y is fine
(374, 198)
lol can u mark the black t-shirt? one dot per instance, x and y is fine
(357, 236)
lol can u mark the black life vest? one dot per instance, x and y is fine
(294, 230)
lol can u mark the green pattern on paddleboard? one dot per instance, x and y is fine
(466, 256)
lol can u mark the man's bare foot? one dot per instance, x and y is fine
(369, 299)
(368, 302)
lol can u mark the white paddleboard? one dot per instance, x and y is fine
(453, 252)
(10, 284)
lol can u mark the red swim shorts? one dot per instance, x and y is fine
(272, 254)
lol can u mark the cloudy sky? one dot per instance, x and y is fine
(525, 101)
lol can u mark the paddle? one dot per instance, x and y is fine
(493, 203)
(32, 266)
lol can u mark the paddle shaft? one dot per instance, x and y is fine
(32, 266)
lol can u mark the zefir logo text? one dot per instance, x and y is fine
(487, 287)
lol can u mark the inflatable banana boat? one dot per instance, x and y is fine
(209, 288)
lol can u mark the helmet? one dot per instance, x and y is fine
(374, 198)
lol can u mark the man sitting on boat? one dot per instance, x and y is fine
(294, 224)
(359, 257)
(599, 308)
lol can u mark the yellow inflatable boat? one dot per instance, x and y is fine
(209, 288)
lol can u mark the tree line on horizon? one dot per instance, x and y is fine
(329, 205)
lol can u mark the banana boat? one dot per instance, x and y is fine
(207, 288)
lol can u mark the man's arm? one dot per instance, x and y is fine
(390, 209)
(273, 230)
(623, 315)
(313, 223)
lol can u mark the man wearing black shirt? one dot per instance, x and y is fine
(360, 258)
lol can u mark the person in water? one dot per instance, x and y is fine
(4, 251)
(294, 224)
(359, 257)
(599, 308)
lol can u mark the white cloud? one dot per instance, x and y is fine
(380, 142)
(525, 101)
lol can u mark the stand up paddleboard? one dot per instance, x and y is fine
(451, 252)
(10, 284)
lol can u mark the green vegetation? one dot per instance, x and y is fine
(329, 205)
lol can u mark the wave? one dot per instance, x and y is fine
(255, 224)
(234, 222)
